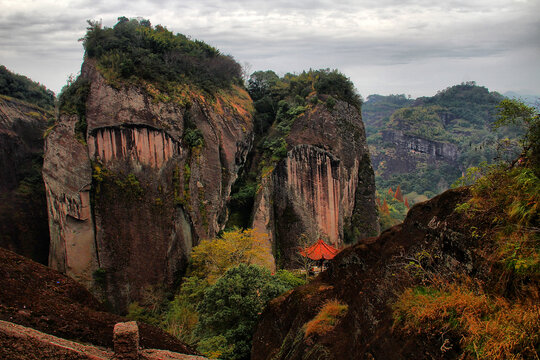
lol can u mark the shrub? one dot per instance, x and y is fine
(327, 318)
(181, 319)
(133, 50)
(231, 307)
(491, 328)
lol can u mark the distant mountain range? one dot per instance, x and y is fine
(424, 145)
(532, 100)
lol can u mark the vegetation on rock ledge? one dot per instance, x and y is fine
(134, 50)
(21, 87)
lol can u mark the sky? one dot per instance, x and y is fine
(414, 47)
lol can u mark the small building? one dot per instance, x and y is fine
(320, 252)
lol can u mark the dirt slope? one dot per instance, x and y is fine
(35, 296)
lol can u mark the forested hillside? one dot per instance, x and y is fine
(424, 145)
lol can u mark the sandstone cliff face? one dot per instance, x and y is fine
(324, 187)
(409, 152)
(23, 219)
(129, 202)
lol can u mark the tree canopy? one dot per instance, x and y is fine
(230, 309)
(134, 49)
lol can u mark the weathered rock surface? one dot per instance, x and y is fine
(38, 297)
(19, 342)
(130, 201)
(368, 277)
(23, 221)
(325, 185)
(410, 152)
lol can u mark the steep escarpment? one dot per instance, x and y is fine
(23, 218)
(138, 171)
(310, 175)
(324, 186)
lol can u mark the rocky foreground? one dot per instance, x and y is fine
(367, 278)
(40, 298)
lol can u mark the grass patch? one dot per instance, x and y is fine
(327, 318)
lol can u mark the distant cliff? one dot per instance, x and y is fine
(407, 153)
(425, 144)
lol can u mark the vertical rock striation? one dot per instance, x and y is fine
(324, 187)
(128, 202)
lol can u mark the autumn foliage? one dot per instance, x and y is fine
(327, 318)
(489, 327)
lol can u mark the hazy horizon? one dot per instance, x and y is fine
(385, 47)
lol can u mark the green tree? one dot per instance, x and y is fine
(229, 311)
(514, 112)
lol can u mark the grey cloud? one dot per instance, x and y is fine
(302, 34)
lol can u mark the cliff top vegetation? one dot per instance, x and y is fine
(21, 87)
(134, 50)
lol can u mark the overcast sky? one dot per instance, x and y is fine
(385, 46)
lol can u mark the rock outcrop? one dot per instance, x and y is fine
(20, 342)
(130, 196)
(409, 152)
(23, 218)
(324, 187)
(367, 278)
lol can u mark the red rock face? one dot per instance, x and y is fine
(324, 187)
(314, 183)
(153, 197)
(140, 145)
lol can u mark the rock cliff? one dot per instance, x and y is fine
(146, 178)
(23, 218)
(323, 187)
(409, 152)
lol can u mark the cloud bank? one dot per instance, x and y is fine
(415, 47)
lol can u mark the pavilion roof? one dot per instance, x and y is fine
(320, 250)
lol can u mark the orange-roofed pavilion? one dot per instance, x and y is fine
(320, 251)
